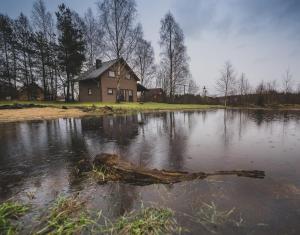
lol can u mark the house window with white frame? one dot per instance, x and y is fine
(111, 74)
(89, 91)
(128, 76)
(110, 91)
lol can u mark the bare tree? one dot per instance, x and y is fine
(93, 37)
(43, 26)
(120, 33)
(193, 88)
(226, 83)
(24, 44)
(174, 59)
(243, 88)
(143, 62)
(287, 82)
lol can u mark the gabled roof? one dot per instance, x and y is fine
(95, 73)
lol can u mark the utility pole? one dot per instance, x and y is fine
(184, 89)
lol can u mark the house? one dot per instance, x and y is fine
(141, 90)
(155, 95)
(31, 92)
(100, 83)
(7, 91)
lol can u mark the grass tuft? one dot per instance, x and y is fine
(67, 217)
(150, 220)
(211, 217)
(103, 174)
(10, 211)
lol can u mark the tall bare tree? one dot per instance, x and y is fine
(226, 83)
(6, 38)
(174, 59)
(93, 37)
(143, 62)
(193, 88)
(117, 18)
(25, 51)
(243, 88)
(287, 82)
(43, 26)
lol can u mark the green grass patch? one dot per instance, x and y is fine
(67, 217)
(9, 213)
(131, 106)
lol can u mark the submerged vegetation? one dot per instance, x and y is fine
(210, 217)
(9, 213)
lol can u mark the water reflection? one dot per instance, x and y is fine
(39, 156)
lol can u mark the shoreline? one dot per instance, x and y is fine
(19, 112)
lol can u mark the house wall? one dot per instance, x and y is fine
(108, 82)
(101, 93)
(84, 86)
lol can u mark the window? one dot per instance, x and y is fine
(129, 92)
(89, 91)
(110, 91)
(111, 74)
(128, 76)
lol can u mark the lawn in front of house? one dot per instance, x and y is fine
(124, 105)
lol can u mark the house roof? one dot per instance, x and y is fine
(95, 73)
(140, 87)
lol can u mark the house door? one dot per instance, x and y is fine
(130, 96)
(123, 95)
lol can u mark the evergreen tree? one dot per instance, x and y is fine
(70, 48)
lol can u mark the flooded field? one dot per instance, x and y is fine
(37, 161)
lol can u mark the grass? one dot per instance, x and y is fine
(150, 220)
(103, 174)
(10, 211)
(67, 217)
(130, 106)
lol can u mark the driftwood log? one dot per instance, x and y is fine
(114, 168)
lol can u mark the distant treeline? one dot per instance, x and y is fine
(44, 55)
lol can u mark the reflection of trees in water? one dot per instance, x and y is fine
(121, 129)
(228, 132)
(55, 145)
(121, 198)
(177, 141)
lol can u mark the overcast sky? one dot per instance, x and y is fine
(260, 37)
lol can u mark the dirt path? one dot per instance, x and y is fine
(15, 115)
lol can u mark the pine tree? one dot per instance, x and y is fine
(70, 48)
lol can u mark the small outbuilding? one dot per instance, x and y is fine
(31, 92)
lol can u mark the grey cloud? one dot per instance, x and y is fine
(238, 16)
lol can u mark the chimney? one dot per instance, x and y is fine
(98, 63)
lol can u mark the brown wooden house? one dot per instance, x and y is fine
(100, 83)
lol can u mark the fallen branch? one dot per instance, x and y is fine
(112, 168)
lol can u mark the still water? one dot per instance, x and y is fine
(39, 157)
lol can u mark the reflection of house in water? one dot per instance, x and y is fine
(121, 129)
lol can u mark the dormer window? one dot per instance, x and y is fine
(111, 74)
(128, 76)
